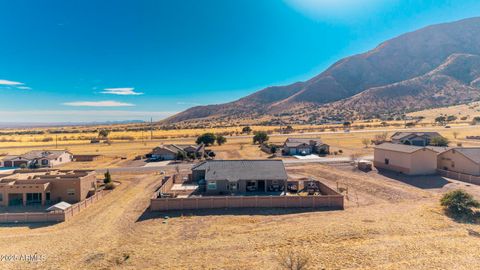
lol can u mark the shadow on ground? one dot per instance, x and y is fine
(147, 215)
(423, 182)
(35, 225)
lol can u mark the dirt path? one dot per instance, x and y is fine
(90, 238)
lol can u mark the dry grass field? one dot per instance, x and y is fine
(387, 224)
(470, 110)
(237, 147)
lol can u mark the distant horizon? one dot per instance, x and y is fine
(137, 60)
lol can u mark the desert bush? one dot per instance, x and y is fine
(293, 259)
(459, 204)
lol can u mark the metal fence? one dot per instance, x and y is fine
(460, 176)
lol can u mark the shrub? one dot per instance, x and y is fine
(108, 178)
(293, 260)
(439, 141)
(110, 186)
(458, 204)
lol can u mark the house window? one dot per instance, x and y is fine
(387, 161)
(44, 162)
(1, 197)
(70, 192)
(212, 185)
(47, 196)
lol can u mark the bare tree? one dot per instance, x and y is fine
(366, 142)
(293, 260)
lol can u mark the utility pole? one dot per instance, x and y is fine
(151, 129)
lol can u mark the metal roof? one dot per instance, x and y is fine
(473, 153)
(401, 135)
(234, 170)
(403, 148)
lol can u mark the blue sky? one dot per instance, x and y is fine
(100, 60)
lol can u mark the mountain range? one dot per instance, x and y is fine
(435, 66)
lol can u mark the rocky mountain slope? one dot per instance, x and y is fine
(434, 66)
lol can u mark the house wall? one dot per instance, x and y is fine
(399, 162)
(65, 157)
(424, 162)
(452, 160)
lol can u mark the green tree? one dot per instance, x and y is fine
(440, 119)
(247, 130)
(221, 139)
(207, 139)
(459, 204)
(181, 155)
(476, 120)
(107, 177)
(273, 149)
(103, 133)
(439, 141)
(260, 137)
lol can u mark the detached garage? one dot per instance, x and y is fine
(461, 160)
(407, 159)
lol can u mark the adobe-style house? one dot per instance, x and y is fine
(171, 151)
(461, 160)
(305, 146)
(38, 159)
(240, 176)
(407, 159)
(414, 138)
(25, 187)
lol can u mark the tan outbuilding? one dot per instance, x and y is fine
(461, 160)
(407, 159)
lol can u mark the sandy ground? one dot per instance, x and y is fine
(388, 224)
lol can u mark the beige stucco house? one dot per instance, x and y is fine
(407, 159)
(25, 187)
(462, 160)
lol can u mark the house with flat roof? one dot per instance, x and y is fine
(462, 160)
(304, 146)
(240, 176)
(38, 159)
(171, 151)
(25, 187)
(414, 138)
(407, 159)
